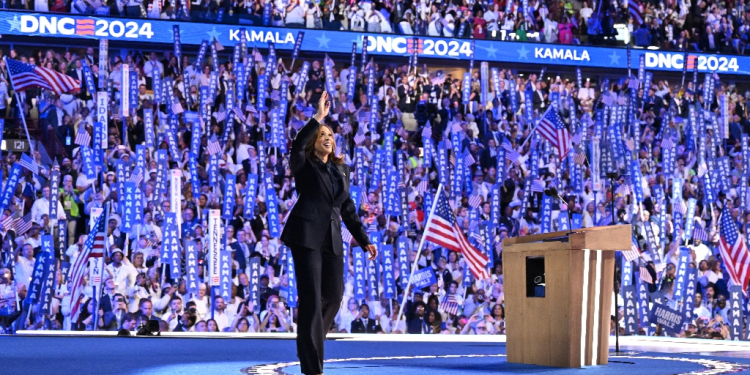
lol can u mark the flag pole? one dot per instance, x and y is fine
(20, 107)
(416, 258)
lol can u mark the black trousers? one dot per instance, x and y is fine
(320, 285)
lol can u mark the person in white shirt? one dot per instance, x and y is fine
(41, 207)
(586, 11)
(347, 315)
(151, 67)
(124, 275)
(222, 318)
(24, 265)
(702, 252)
(172, 317)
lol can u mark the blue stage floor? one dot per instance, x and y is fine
(196, 355)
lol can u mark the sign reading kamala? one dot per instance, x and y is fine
(158, 31)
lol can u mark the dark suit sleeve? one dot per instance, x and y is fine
(297, 155)
(353, 224)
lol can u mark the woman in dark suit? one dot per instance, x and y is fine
(313, 232)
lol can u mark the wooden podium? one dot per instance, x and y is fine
(558, 293)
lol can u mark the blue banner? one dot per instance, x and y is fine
(643, 309)
(358, 258)
(191, 267)
(254, 282)
(54, 193)
(251, 190)
(735, 313)
(689, 300)
(171, 245)
(389, 282)
(88, 77)
(404, 268)
(272, 207)
(291, 296)
(128, 215)
(225, 272)
(630, 305)
(230, 187)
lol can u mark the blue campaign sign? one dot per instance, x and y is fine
(158, 31)
(403, 261)
(423, 278)
(389, 283)
(225, 280)
(359, 272)
(669, 319)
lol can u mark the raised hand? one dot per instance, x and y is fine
(324, 105)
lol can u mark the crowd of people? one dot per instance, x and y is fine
(708, 26)
(484, 133)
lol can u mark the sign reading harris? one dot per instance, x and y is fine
(157, 31)
(668, 318)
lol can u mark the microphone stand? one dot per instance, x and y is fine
(612, 177)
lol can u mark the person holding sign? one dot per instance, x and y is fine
(313, 233)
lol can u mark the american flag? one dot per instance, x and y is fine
(513, 156)
(83, 138)
(92, 248)
(442, 230)
(213, 147)
(346, 235)
(456, 127)
(646, 276)
(699, 233)
(702, 168)
(734, 251)
(537, 186)
(605, 220)
(177, 108)
(423, 186)
(469, 160)
(27, 75)
(251, 108)
(136, 176)
(449, 304)
(350, 107)
(679, 207)
(635, 12)
(29, 163)
(634, 251)
(346, 128)
(22, 225)
(579, 158)
(624, 189)
(239, 115)
(220, 115)
(667, 143)
(475, 200)
(359, 138)
(9, 221)
(553, 129)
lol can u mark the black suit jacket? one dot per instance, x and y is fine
(105, 304)
(317, 207)
(358, 326)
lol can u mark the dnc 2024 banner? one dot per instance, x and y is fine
(158, 31)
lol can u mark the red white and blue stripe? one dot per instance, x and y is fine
(27, 75)
(442, 230)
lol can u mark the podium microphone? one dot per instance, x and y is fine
(552, 192)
